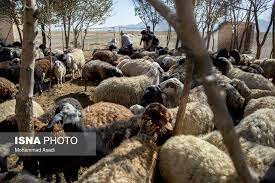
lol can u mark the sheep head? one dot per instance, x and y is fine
(156, 121)
(69, 117)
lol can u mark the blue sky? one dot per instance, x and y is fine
(123, 14)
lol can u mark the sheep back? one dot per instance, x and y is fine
(253, 81)
(7, 90)
(8, 108)
(103, 113)
(125, 91)
(198, 119)
(133, 161)
(105, 55)
(190, 159)
(136, 67)
(260, 103)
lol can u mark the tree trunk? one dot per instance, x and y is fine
(24, 105)
(184, 99)
(273, 35)
(19, 32)
(177, 43)
(259, 50)
(203, 68)
(168, 36)
(43, 33)
(84, 37)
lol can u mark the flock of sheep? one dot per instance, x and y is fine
(136, 102)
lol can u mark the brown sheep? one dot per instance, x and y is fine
(7, 90)
(105, 55)
(103, 113)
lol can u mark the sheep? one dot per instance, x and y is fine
(172, 88)
(8, 108)
(75, 61)
(137, 67)
(9, 53)
(198, 119)
(120, 59)
(152, 94)
(38, 54)
(139, 55)
(126, 91)
(260, 103)
(135, 159)
(10, 71)
(252, 68)
(106, 56)
(137, 109)
(249, 94)
(253, 81)
(7, 90)
(166, 61)
(190, 159)
(103, 113)
(49, 114)
(98, 71)
(257, 156)
(268, 67)
(59, 71)
(258, 127)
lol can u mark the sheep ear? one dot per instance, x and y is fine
(168, 126)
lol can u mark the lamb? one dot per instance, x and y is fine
(260, 103)
(8, 108)
(98, 71)
(135, 159)
(253, 81)
(106, 56)
(59, 72)
(8, 90)
(126, 91)
(75, 61)
(268, 66)
(104, 113)
(190, 159)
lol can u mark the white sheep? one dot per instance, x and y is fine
(136, 67)
(75, 61)
(8, 108)
(172, 89)
(126, 91)
(198, 119)
(259, 103)
(258, 127)
(257, 156)
(253, 81)
(190, 159)
(59, 72)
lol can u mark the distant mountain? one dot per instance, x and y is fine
(163, 26)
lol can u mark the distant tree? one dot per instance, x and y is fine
(147, 13)
(259, 6)
(12, 11)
